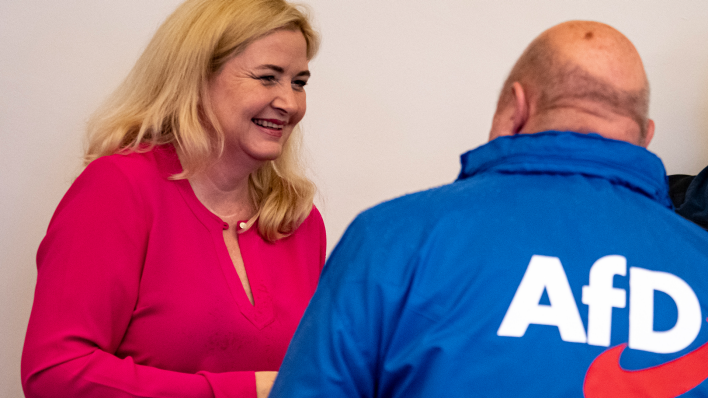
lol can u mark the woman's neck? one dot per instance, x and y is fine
(223, 189)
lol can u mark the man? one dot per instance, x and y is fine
(554, 262)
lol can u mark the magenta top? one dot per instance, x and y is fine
(137, 296)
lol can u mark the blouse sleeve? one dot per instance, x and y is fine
(89, 269)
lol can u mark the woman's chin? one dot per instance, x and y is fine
(266, 155)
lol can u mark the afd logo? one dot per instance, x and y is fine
(547, 273)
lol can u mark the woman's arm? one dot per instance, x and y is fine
(89, 272)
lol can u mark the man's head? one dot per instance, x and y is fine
(578, 76)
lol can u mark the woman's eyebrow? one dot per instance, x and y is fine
(279, 69)
(275, 68)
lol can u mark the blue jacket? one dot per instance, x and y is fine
(528, 276)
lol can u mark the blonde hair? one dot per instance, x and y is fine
(162, 100)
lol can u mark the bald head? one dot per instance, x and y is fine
(578, 76)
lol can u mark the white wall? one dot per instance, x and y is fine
(399, 90)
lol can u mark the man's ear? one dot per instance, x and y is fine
(521, 108)
(511, 115)
(649, 133)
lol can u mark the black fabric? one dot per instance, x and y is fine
(678, 184)
(690, 196)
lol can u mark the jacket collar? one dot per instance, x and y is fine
(557, 152)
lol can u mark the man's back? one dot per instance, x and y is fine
(422, 287)
(554, 263)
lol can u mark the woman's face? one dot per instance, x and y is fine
(258, 96)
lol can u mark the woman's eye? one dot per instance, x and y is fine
(299, 84)
(267, 79)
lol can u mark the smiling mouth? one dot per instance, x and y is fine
(269, 124)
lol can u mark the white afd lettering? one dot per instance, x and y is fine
(601, 297)
(547, 273)
(642, 336)
(544, 273)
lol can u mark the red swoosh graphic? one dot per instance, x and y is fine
(605, 377)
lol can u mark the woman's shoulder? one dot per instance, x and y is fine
(311, 234)
(311, 229)
(314, 220)
(148, 164)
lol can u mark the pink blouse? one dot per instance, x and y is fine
(137, 296)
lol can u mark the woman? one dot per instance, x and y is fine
(181, 260)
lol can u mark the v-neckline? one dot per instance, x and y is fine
(261, 313)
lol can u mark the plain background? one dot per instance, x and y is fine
(399, 90)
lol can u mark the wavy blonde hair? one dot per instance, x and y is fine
(161, 101)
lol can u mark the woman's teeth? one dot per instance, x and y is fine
(267, 124)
